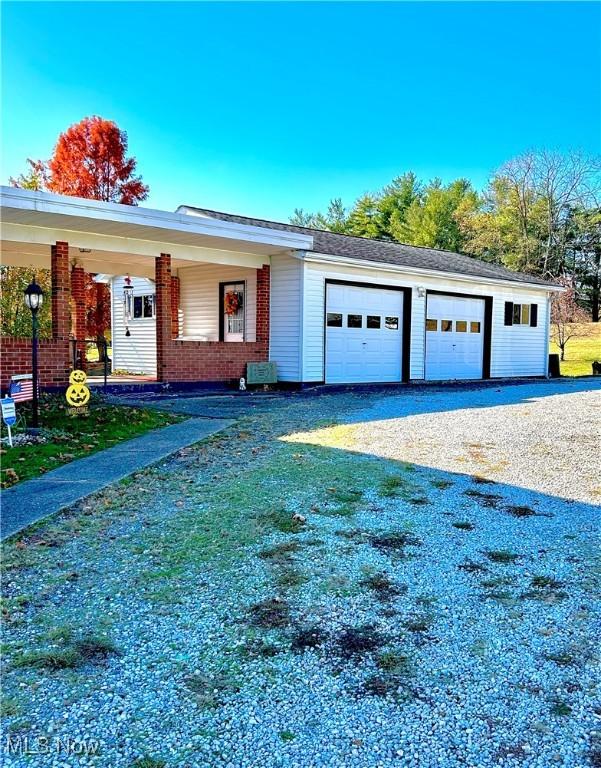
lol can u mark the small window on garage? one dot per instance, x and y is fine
(521, 314)
(431, 325)
(446, 326)
(475, 326)
(354, 321)
(392, 323)
(461, 326)
(374, 321)
(334, 320)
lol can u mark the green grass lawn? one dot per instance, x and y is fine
(70, 436)
(581, 351)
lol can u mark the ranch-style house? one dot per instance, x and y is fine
(210, 292)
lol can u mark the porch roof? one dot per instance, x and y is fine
(113, 238)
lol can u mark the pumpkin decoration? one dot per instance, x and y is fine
(232, 302)
(77, 394)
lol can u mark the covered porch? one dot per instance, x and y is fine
(189, 260)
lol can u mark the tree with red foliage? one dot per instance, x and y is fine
(90, 161)
(98, 312)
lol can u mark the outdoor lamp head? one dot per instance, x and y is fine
(34, 296)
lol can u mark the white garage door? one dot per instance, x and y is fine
(363, 334)
(454, 337)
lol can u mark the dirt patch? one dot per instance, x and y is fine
(357, 641)
(307, 637)
(270, 614)
(381, 685)
(470, 566)
(485, 499)
(394, 541)
(501, 556)
(463, 525)
(288, 578)
(382, 587)
(417, 624)
(521, 510)
(208, 690)
(280, 553)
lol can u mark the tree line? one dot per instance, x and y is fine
(539, 213)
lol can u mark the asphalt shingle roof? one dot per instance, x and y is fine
(383, 252)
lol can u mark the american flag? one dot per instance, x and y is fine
(21, 388)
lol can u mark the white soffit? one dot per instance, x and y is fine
(63, 213)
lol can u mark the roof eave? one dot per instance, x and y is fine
(140, 219)
(421, 271)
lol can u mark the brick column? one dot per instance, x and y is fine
(174, 307)
(78, 292)
(162, 276)
(61, 290)
(263, 305)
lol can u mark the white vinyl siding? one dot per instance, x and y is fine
(285, 348)
(519, 350)
(200, 307)
(135, 353)
(515, 350)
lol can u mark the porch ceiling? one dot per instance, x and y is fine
(21, 254)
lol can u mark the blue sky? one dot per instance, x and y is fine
(260, 108)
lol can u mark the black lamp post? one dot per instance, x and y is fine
(34, 298)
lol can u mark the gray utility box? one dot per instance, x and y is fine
(261, 373)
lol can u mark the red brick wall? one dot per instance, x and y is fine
(263, 305)
(54, 358)
(53, 361)
(61, 291)
(175, 293)
(211, 360)
(162, 269)
(78, 292)
(179, 360)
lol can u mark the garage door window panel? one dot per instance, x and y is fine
(392, 323)
(374, 321)
(446, 326)
(431, 325)
(354, 321)
(461, 326)
(474, 326)
(334, 320)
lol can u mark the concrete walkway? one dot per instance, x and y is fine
(43, 496)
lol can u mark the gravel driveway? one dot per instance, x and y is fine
(435, 601)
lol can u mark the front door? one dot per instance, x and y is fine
(233, 311)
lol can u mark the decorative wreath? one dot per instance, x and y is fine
(232, 302)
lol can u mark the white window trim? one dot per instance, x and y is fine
(135, 319)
